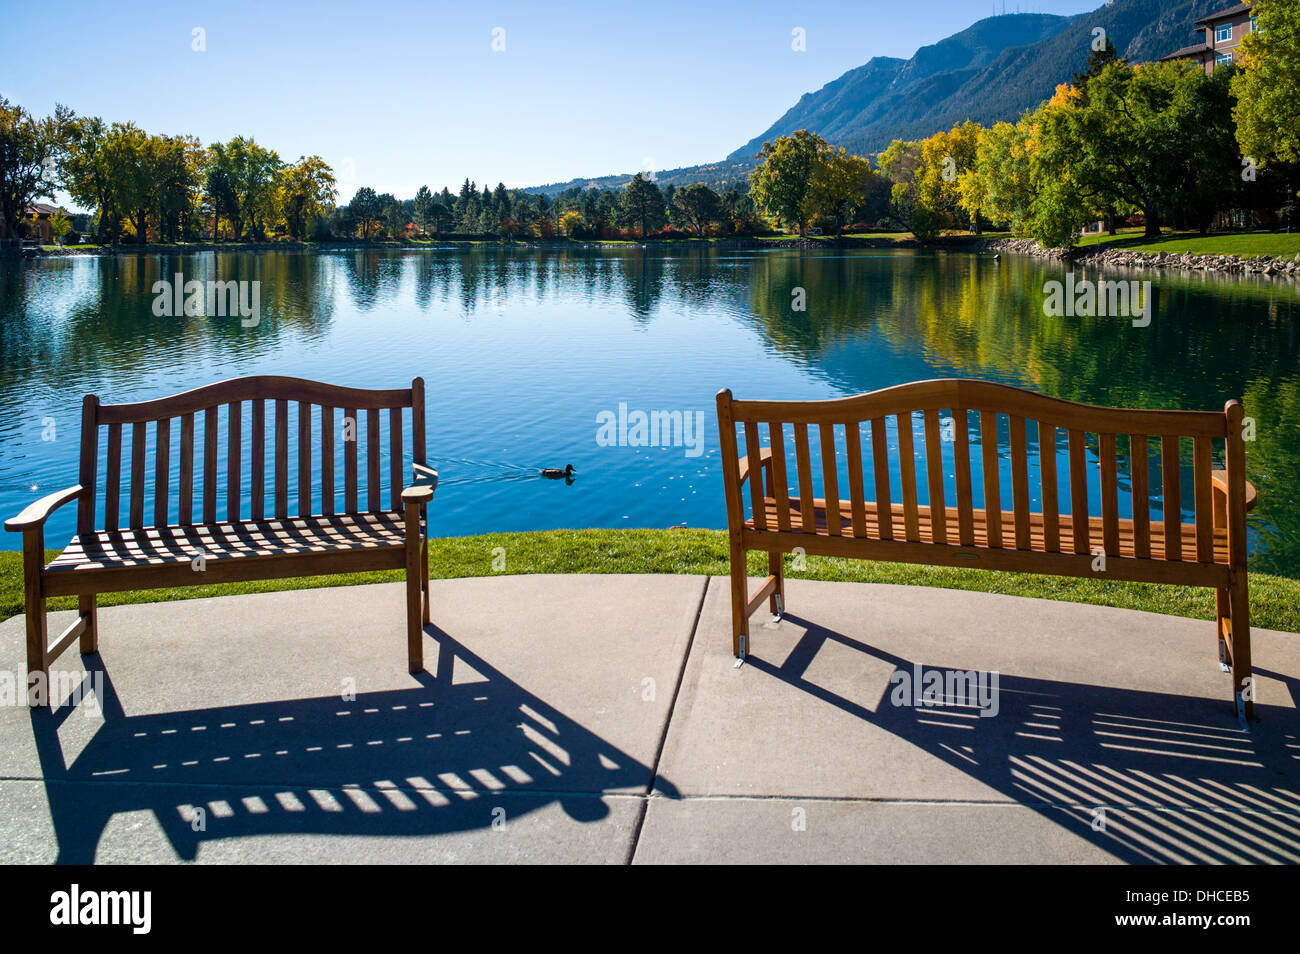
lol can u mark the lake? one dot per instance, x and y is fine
(525, 352)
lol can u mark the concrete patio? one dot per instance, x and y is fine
(600, 719)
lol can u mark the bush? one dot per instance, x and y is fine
(72, 238)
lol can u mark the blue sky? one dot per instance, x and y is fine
(397, 93)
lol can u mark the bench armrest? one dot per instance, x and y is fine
(36, 514)
(764, 460)
(1219, 479)
(417, 494)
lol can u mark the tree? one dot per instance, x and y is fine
(904, 164)
(249, 171)
(642, 203)
(1268, 87)
(84, 171)
(840, 185)
(29, 151)
(59, 226)
(304, 192)
(781, 183)
(1139, 131)
(365, 209)
(699, 206)
(423, 207)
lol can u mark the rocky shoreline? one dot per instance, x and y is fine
(1128, 258)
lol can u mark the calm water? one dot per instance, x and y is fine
(522, 350)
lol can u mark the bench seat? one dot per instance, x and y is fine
(979, 521)
(103, 554)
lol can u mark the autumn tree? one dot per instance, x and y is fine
(305, 191)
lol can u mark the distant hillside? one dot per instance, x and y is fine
(991, 71)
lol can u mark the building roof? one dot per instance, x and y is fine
(1186, 52)
(40, 208)
(1230, 12)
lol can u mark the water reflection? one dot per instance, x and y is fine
(522, 348)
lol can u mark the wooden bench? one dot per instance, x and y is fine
(862, 439)
(250, 538)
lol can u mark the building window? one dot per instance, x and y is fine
(1223, 33)
(1223, 59)
(1254, 24)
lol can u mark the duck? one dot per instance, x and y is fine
(554, 473)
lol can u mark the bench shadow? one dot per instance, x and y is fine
(1177, 778)
(433, 759)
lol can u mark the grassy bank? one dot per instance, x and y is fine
(1242, 244)
(1275, 601)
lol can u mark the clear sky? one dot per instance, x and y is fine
(397, 93)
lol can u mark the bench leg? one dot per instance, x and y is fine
(414, 589)
(739, 598)
(1243, 684)
(1223, 625)
(776, 567)
(38, 637)
(90, 613)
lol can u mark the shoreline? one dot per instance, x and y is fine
(1129, 258)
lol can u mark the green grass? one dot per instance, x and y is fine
(1242, 244)
(1275, 601)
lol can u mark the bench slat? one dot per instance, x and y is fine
(780, 480)
(304, 459)
(830, 479)
(258, 465)
(880, 472)
(281, 458)
(137, 474)
(1019, 481)
(351, 437)
(327, 459)
(1051, 506)
(209, 465)
(1203, 459)
(395, 455)
(934, 476)
(372, 459)
(857, 493)
(961, 460)
(1170, 482)
(234, 469)
(803, 466)
(1109, 495)
(907, 469)
(757, 505)
(113, 479)
(1139, 478)
(1079, 491)
(161, 470)
(992, 479)
(186, 502)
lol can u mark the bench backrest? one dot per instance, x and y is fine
(233, 416)
(855, 434)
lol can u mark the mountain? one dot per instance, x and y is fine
(991, 71)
